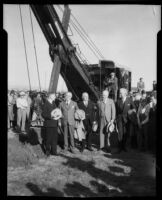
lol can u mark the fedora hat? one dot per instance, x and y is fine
(22, 93)
(56, 114)
(110, 127)
(79, 114)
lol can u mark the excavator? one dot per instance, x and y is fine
(77, 76)
(62, 53)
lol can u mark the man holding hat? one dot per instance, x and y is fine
(107, 114)
(51, 114)
(22, 106)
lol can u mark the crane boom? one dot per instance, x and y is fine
(62, 53)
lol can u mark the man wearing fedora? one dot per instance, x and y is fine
(22, 106)
(68, 108)
(107, 114)
(50, 124)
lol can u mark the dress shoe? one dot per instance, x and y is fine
(124, 149)
(108, 150)
(47, 153)
(73, 151)
(90, 148)
(82, 149)
(55, 154)
(118, 151)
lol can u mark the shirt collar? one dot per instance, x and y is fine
(124, 99)
(105, 101)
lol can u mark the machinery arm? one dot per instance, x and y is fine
(74, 73)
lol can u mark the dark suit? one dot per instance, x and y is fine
(89, 113)
(50, 127)
(123, 120)
(113, 87)
(68, 121)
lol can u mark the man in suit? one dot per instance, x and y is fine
(50, 125)
(113, 85)
(140, 85)
(124, 104)
(107, 114)
(88, 108)
(68, 108)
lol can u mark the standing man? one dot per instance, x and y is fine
(50, 125)
(29, 106)
(143, 113)
(113, 85)
(88, 108)
(124, 104)
(140, 85)
(37, 109)
(10, 109)
(68, 108)
(22, 106)
(154, 85)
(107, 114)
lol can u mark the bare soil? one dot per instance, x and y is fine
(87, 174)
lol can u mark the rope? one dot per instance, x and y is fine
(100, 81)
(25, 47)
(88, 37)
(83, 37)
(86, 41)
(35, 49)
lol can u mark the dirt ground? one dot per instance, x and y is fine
(87, 174)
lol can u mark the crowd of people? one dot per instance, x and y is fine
(132, 117)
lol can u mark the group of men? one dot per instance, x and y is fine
(128, 116)
(22, 108)
(107, 114)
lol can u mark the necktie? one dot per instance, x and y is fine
(86, 104)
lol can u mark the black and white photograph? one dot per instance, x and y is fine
(82, 99)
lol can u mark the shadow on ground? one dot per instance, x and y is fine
(38, 192)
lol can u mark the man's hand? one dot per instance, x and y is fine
(59, 123)
(112, 121)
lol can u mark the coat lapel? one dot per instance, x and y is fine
(70, 105)
(125, 103)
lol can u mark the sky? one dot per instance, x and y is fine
(125, 34)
